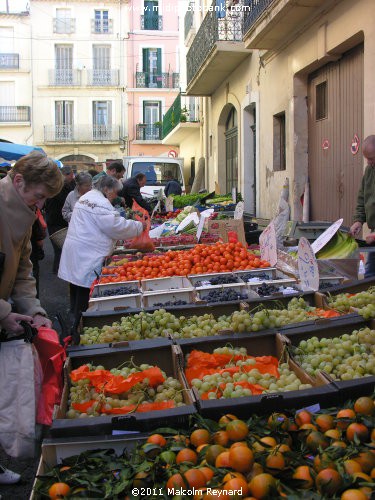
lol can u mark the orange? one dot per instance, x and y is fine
(221, 437)
(212, 452)
(328, 481)
(237, 483)
(323, 461)
(65, 467)
(351, 466)
(303, 417)
(361, 476)
(303, 472)
(232, 475)
(238, 443)
(141, 480)
(207, 472)
(225, 419)
(262, 486)
(366, 460)
(59, 490)
(358, 430)
(257, 469)
(346, 413)
(157, 439)
(241, 458)
(333, 433)
(275, 461)
(186, 455)
(176, 481)
(237, 430)
(222, 460)
(195, 478)
(353, 494)
(325, 422)
(278, 421)
(199, 437)
(316, 440)
(364, 406)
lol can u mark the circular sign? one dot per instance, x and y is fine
(172, 153)
(355, 145)
(325, 144)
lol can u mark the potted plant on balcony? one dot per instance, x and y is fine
(184, 114)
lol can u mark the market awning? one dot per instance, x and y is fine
(11, 151)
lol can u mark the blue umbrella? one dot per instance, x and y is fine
(11, 151)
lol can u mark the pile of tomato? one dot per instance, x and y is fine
(201, 259)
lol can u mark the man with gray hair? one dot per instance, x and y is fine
(54, 218)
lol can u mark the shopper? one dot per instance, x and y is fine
(365, 209)
(93, 230)
(172, 186)
(116, 169)
(83, 185)
(131, 191)
(32, 180)
(55, 220)
(38, 234)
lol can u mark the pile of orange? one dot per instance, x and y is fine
(220, 257)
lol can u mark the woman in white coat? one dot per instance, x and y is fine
(94, 228)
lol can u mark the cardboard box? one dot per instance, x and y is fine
(116, 303)
(99, 289)
(194, 278)
(222, 226)
(165, 357)
(161, 297)
(258, 344)
(165, 284)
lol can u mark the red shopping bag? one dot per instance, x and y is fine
(52, 356)
(142, 242)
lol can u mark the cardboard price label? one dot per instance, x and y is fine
(324, 238)
(307, 266)
(268, 246)
(238, 212)
(169, 204)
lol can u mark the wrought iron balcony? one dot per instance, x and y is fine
(102, 26)
(189, 20)
(14, 114)
(217, 47)
(148, 132)
(64, 77)
(152, 22)
(64, 26)
(267, 23)
(9, 61)
(102, 77)
(181, 119)
(81, 133)
(144, 79)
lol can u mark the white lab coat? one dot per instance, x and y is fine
(93, 230)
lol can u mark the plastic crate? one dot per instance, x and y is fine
(164, 284)
(239, 288)
(99, 289)
(162, 297)
(194, 278)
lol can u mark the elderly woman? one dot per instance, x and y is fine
(83, 186)
(93, 230)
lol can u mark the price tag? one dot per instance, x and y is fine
(307, 266)
(238, 212)
(202, 220)
(169, 204)
(324, 238)
(267, 243)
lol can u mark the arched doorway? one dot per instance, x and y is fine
(79, 162)
(231, 150)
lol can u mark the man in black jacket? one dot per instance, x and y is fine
(54, 218)
(132, 191)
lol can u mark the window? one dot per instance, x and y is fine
(151, 16)
(279, 149)
(102, 120)
(63, 21)
(64, 65)
(231, 151)
(101, 21)
(101, 65)
(321, 101)
(151, 120)
(152, 67)
(64, 120)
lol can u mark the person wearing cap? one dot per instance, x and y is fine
(54, 218)
(172, 186)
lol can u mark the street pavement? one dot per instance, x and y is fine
(54, 296)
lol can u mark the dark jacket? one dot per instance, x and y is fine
(132, 191)
(172, 187)
(53, 206)
(365, 209)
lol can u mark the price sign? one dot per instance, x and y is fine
(169, 204)
(238, 212)
(307, 266)
(234, 195)
(267, 243)
(324, 238)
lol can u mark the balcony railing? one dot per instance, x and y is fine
(212, 30)
(189, 19)
(64, 77)
(81, 133)
(102, 77)
(252, 11)
(148, 132)
(102, 26)
(9, 61)
(152, 22)
(14, 114)
(181, 111)
(64, 26)
(144, 79)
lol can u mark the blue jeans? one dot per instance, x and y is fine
(370, 265)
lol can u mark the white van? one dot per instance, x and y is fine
(155, 169)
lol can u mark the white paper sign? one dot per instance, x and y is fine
(238, 212)
(169, 204)
(202, 220)
(307, 266)
(234, 195)
(267, 243)
(191, 217)
(324, 238)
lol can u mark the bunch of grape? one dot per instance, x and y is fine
(345, 358)
(219, 280)
(266, 289)
(255, 277)
(171, 303)
(122, 290)
(288, 380)
(363, 301)
(224, 295)
(83, 392)
(202, 326)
